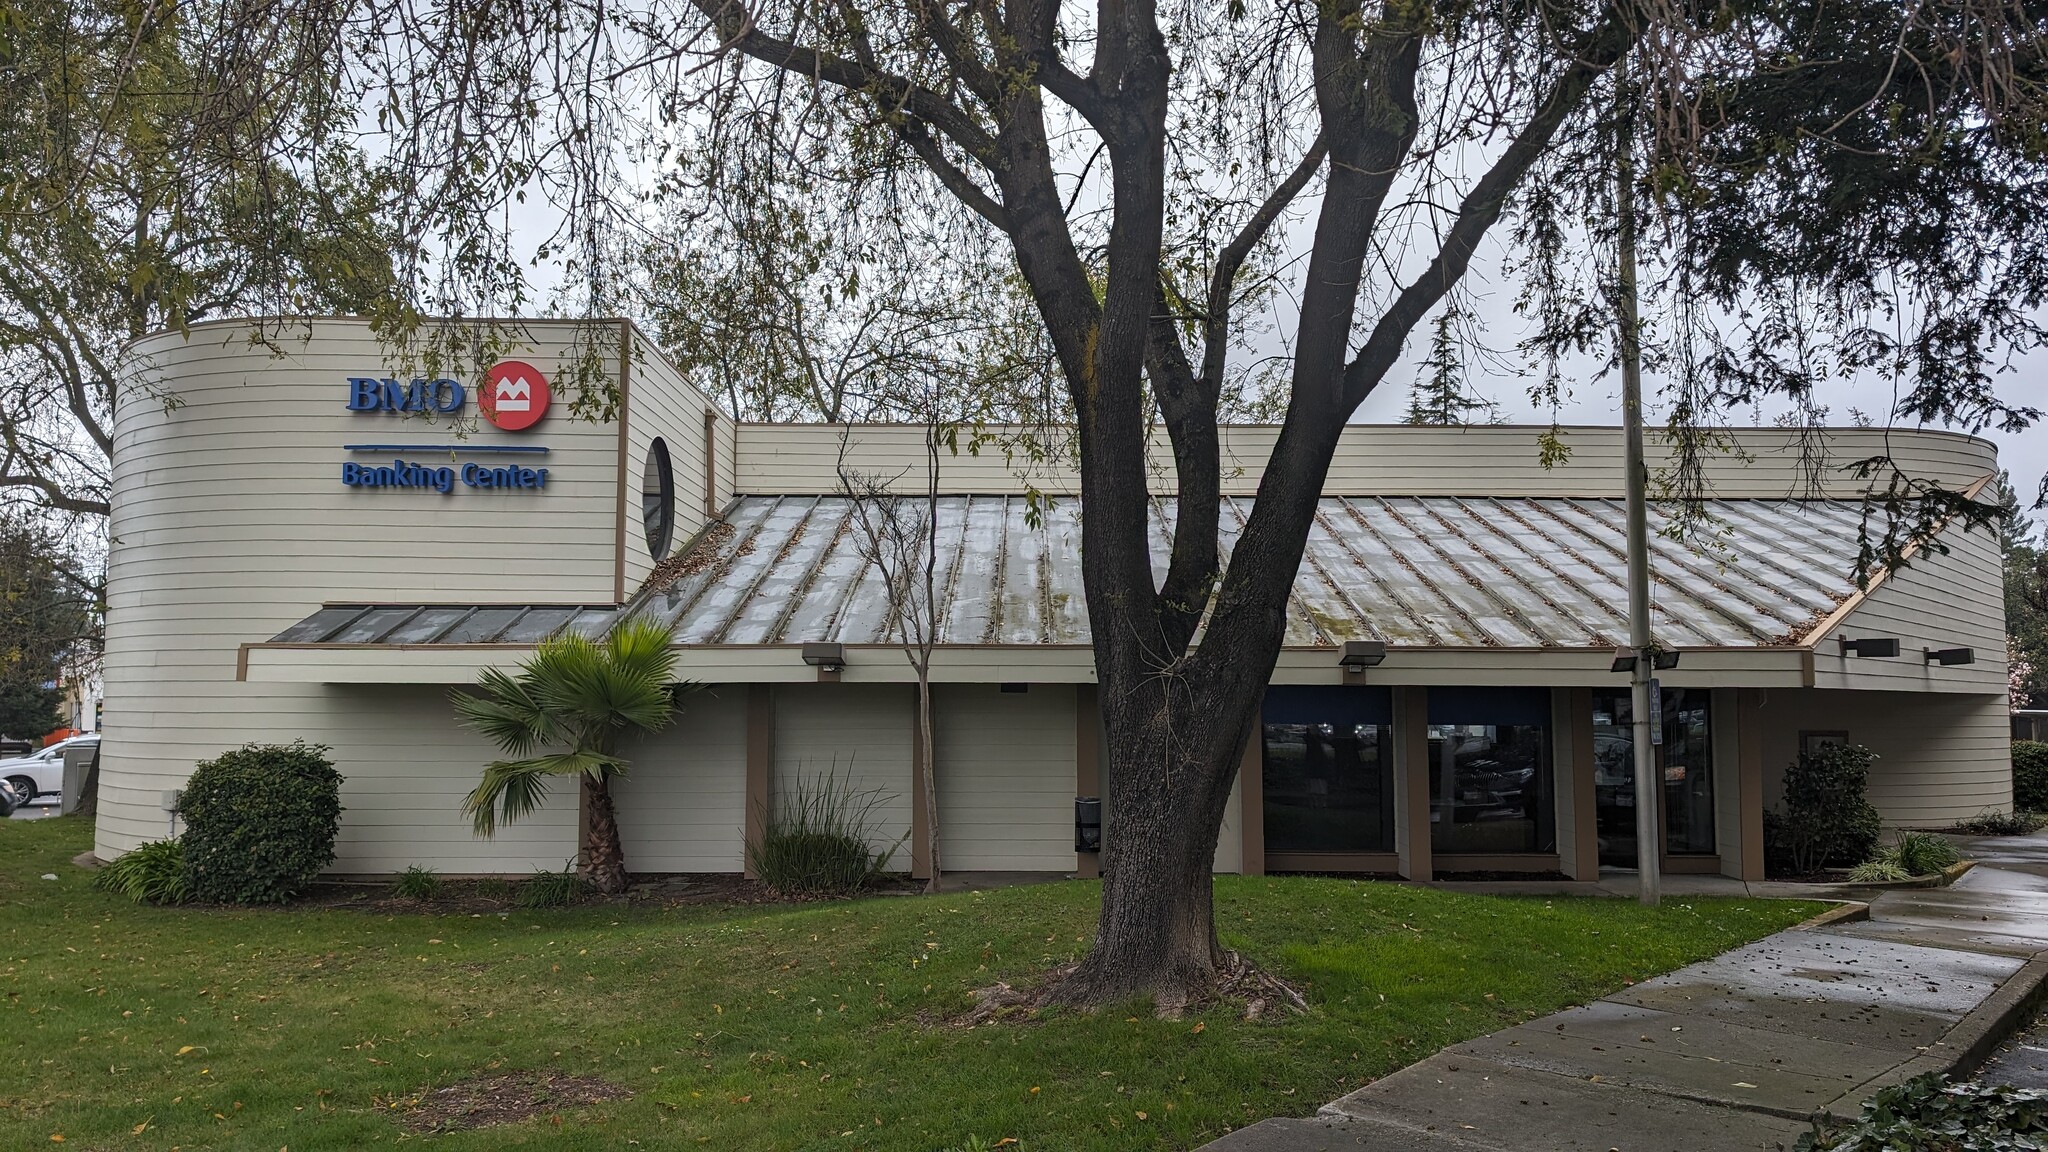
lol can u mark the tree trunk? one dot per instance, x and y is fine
(604, 857)
(1169, 782)
(931, 782)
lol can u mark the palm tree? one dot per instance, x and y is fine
(562, 714)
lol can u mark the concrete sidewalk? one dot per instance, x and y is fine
(1737, 1052)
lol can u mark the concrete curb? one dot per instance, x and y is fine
(1847, 912)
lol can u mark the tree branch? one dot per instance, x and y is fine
(1480, 208)
(737, 27)
(1222, 281)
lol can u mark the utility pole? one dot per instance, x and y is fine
(1648, 857)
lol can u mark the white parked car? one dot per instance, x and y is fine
(39, 776)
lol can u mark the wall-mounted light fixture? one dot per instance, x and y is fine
(1949, 657)
(1661, 659)
(1870, 646)
(828, 659)
(1358, 655)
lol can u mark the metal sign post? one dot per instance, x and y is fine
(1640, 695)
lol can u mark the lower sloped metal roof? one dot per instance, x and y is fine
(406, 624)
(1413, 571)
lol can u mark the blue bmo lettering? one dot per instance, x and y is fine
(370, 394)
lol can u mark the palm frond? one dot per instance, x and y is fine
(509, 713)
(513, 789)
(644, 649)
(575, 694)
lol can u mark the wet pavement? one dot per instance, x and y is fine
(2021, 1061)
(1740, 1051)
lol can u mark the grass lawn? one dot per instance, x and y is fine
(814, 1027)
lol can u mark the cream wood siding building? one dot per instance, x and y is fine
(255, 596)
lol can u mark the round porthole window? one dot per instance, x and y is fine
(658, 499)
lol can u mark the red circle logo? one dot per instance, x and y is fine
(514, 395)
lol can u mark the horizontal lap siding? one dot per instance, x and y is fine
(230, 523)
(1005, 777)
(1941, 756)
(1383, 460)
(860, 733)
(683, 805)
(406, 766)
(660, 402)
(1952, 600)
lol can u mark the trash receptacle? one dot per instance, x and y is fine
(1087, 824)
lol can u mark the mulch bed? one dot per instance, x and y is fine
(649, 891)
(506, 1098)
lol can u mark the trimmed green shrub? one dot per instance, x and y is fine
(1924, 853)
(552, 890)
(1928, 1112)
(260, 822)
(152, 873)
(1826, 819)
(817, 843)
(2030, 776)
(416, 883)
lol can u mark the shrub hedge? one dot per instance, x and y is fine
(260, 822)
(1826, 819)
(2030, 776)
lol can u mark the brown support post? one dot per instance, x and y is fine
(1749, 742)
(1411, 782)
(920, 835)
(760, 764)
(1087, 765)
(1251, 803)
(1585, 794)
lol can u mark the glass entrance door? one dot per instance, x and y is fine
(1685, 763)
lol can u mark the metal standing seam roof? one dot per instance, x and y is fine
(385, 624)
(1412, 571)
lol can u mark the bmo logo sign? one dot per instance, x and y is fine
(514, 395)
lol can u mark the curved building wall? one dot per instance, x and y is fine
(230, 522)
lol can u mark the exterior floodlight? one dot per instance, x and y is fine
(1625, 659)
(1948, 657)
(825, 657)
(1362, 654)
(1870, 646)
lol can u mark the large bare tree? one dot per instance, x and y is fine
(1255, 197)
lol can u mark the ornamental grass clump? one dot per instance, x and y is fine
(553, 890)
(260, 822)
(1916, 855)
(817, 843)
(152, 873)
(1924, 853)
(416, 883)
